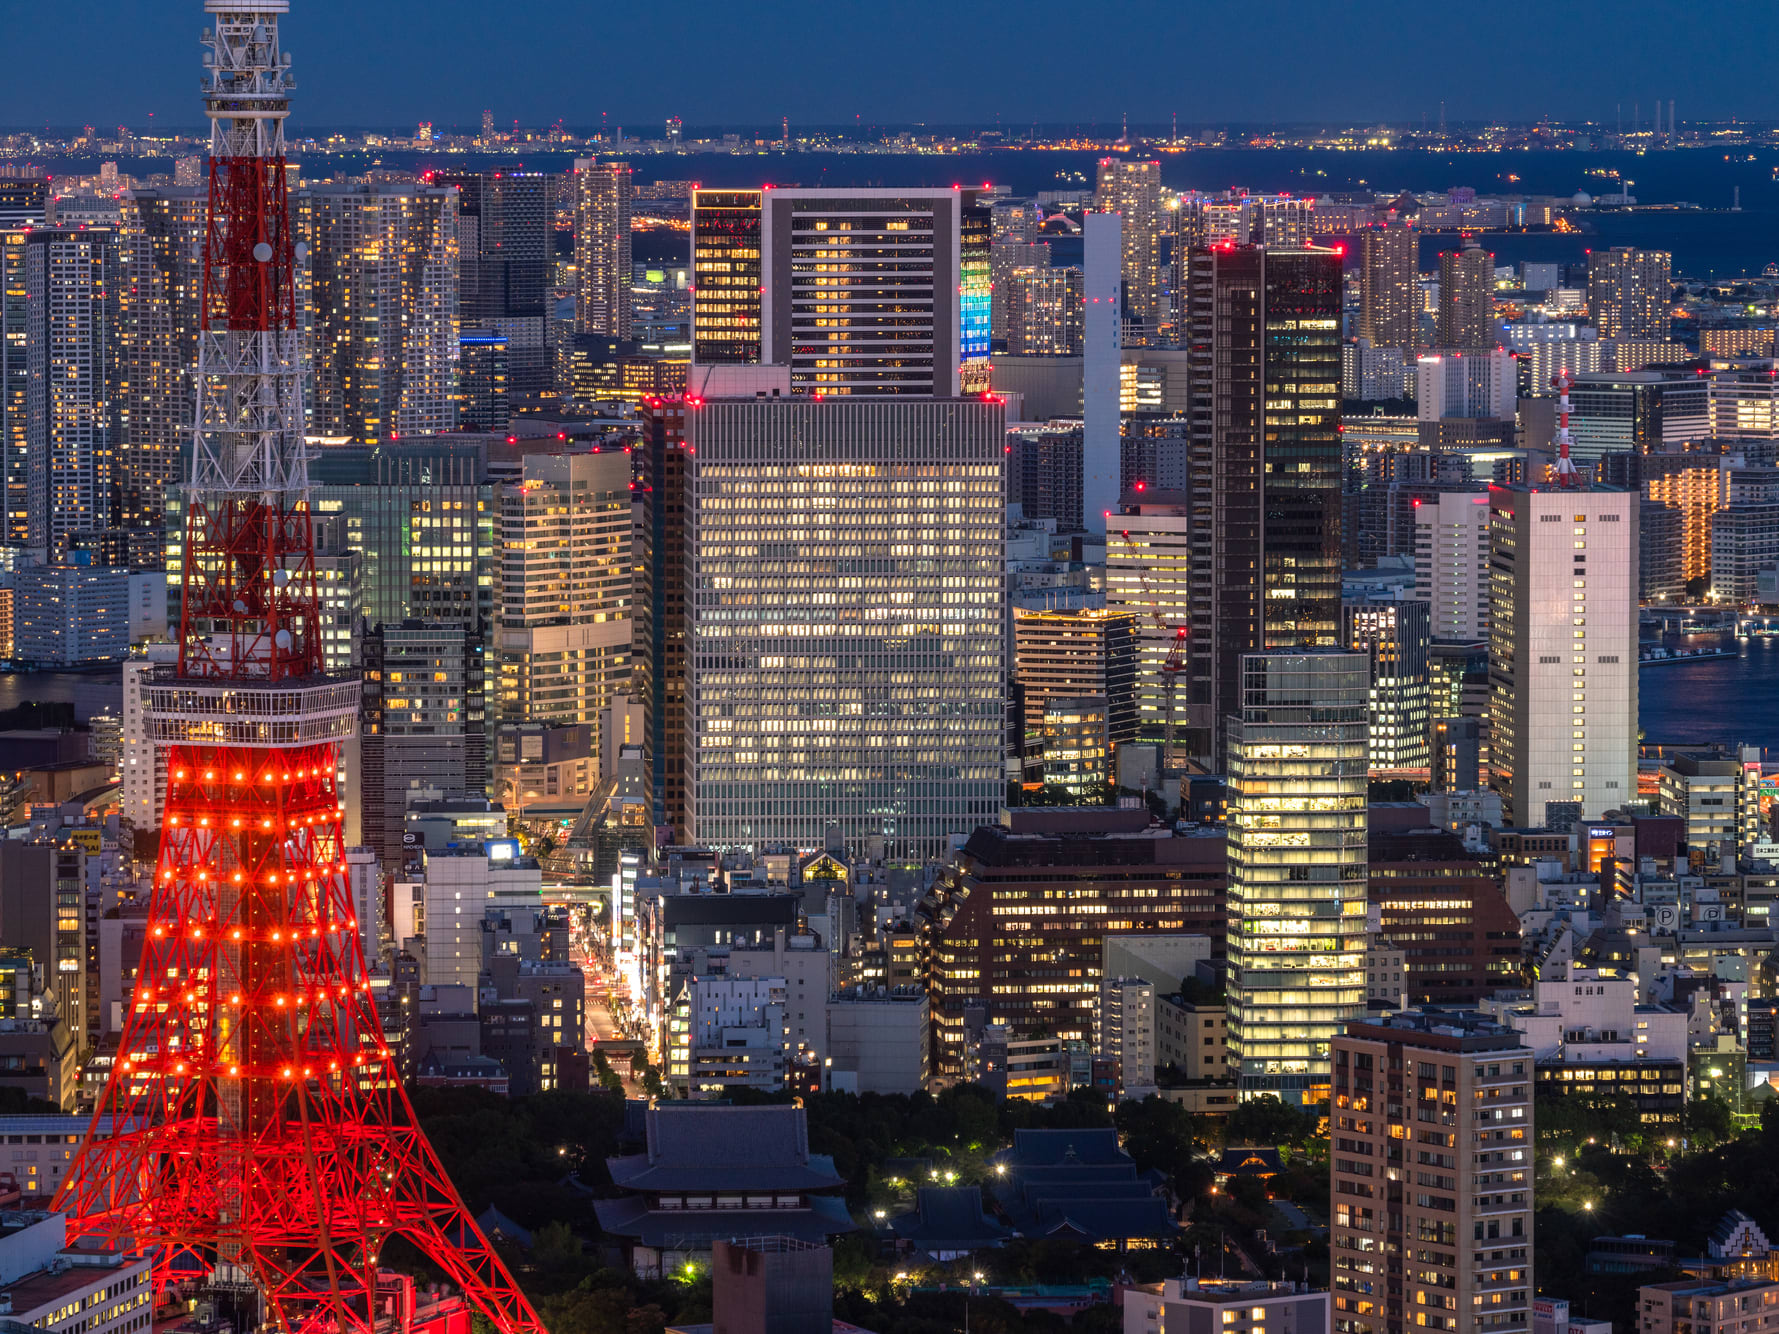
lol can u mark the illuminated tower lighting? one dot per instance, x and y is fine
(260, 1127)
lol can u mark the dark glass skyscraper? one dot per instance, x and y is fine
(1263, 329)
(726, 277)
(507, 236)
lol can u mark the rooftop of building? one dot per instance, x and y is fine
(1711, 1287)
(715, 1147)
(1451, 1030)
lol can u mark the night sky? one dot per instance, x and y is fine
(388, 63)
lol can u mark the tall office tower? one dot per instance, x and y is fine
(383, 309)
(603, 194)
(1133, 191)
(160, 248)
(1474, 384)
(1102, 361)
(1389, 291)
(1452, 563)
(1149, 576)
(43, 902)
(1395, 635)
(562, 587)
(1044, 475)
(1452, 1092)
(23, 201)
(482, 381)
(1286, 223)
(975, 297)
(1006, 257)
(71, 297)
(1069, 653)
(1466, 317)
(846, 626)
(1697, 486)
(658, 659)
(726, 277)
(1045, 312)
(1744, 404)
(1628, 292)
(22, 207)
(507, 254)
(254, 1126)
(424, 723)
(1263, 330)
(1563, 649)
(865, 292)
(1297, 859)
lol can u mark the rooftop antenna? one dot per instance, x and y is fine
(1565, 467)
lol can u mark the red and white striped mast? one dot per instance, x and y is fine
(1565, 471)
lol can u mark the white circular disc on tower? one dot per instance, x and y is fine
(263, 253)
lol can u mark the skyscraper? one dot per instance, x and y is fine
(160, 242)
(1628, 292)
(22, 207)
(1004, 257)
(1389, 295)
(1133, 190)
(1452, 563)
(507, 250)
(845, 627)
(1394, 634)
(865, 291)
(1149, 576)
(562, 587)
(726, 277)
(71, 291)
(603, 195)
(1563, 649)
(1044, 312)
(1297, 858)
(658, 662)
(1458, 1088)
(482, 381)
(1466, 319)
(424, 723)
(1263, 328)
(384, 309)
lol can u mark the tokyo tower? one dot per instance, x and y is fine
(259, 1129)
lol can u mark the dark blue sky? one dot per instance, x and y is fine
(391, 62)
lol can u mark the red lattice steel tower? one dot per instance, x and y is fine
(258, 1125)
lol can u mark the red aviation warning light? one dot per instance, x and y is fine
(257, 1118)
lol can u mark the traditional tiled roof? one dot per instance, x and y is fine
(949, 1218)
(716, 1147)
(677, 1229)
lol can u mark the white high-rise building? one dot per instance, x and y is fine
(1149, 574)
(1298, 757)
(1126, 1031)
(604, 194)
(1466, 384)
(1563, 649)
(463, 881)
(143, 764)
(845, 621)
(1452, 563)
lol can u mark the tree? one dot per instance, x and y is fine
(1267, 1121)
(1163, 1135)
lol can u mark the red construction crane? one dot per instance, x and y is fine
(254, 1120)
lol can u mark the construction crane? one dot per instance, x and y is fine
(1172, 665)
